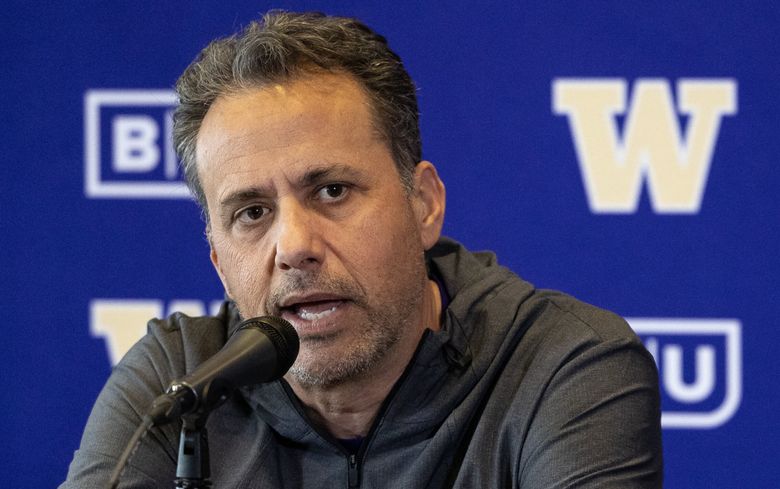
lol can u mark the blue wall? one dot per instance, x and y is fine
(698, 280)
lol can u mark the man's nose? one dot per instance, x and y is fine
(298, 241)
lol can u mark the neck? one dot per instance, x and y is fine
(348, 409)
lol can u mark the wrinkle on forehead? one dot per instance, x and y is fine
(286, 112)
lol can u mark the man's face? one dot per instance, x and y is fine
(309, 221)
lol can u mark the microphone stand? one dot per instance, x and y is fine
(193, 468)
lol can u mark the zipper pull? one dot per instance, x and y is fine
(354, 471)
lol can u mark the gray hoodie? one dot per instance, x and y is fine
(520, 388)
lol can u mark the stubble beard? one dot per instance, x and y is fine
(369, 348)
(367, 344)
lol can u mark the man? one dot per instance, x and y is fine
(421, 364)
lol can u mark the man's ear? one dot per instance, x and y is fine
(429, 202)
(215, 261)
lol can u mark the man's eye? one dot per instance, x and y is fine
(251, 214)
(332, 192)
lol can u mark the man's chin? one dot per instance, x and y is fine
(317, 378)
(321, 366)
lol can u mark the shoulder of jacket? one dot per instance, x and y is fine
(187, 338)
(573, 313)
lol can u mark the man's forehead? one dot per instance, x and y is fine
(310, 103)
(333, 91)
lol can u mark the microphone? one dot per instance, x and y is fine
(260, 350)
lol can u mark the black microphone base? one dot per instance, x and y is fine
(192, 468)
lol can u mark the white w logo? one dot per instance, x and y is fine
(652, 145)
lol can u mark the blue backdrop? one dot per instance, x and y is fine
(624, 152)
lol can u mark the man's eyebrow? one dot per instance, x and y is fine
(242, 196)
(312, 177)
(318, 175)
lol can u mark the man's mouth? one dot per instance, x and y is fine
(313, 310)
(310, 306)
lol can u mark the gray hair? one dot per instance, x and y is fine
(285, 45)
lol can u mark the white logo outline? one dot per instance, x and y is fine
(731, 330)
(94, 186)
